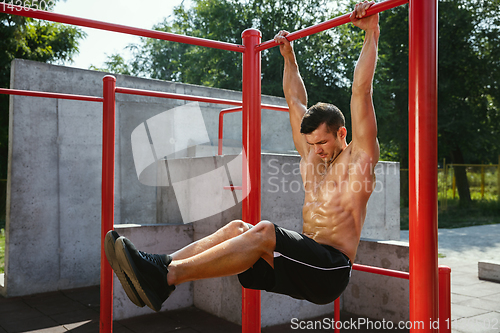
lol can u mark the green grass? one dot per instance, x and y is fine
(479, 212)
(484, 208)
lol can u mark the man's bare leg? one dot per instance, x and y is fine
(231, 250)
(230, 230)
(229, 257)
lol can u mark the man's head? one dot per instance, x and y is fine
(323, 126)
(322, 113)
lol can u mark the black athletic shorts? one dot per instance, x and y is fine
(303, 269)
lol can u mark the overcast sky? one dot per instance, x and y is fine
(98, 44)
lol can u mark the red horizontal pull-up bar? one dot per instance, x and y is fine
(50, 95)
(238, 109)
(183, 97)
(60, 18)
(221, 127)
(335, 22)
(381, 271)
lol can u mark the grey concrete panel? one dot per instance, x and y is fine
(79, 146)
(382, 216)
(282, 191)
(489, 270)
(153, 239)
(392, 203)
(281, 309)
(376, 296)
(137, 201)
(53, 222)
(55, 171)
(34, 203)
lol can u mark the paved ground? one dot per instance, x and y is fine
(475, 303)
(78, 311)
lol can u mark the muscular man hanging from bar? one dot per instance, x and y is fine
(338, 179)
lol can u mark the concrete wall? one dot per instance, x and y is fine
(53, 203)
(375, 296)
(153, 239)
(282, 199)
(54, 178)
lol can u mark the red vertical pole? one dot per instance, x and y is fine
(336, 315)
(444, 299)
(221, 133)
(107, 200)
(250, 314)
(423, 165)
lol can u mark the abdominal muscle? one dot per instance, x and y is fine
(333, 213)
(337, 230)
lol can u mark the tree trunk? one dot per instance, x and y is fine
(461, 177)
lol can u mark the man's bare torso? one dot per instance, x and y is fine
(335, 198)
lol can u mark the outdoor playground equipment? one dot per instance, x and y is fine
(428, 303)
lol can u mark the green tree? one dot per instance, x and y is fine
(321, 58)
(469, 66)
(468, 84)
(31, 39)
(114, 64)
(468, 80)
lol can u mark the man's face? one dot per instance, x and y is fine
(325, 144)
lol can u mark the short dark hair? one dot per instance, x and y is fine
(322, 113)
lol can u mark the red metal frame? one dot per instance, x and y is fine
(50, 95)
(423, 162)
(60, 18)
(444, 299)
(381, 271)
(250, 311)
(335, 22)
(423, 274)
(221, 127)
(238, 109)
(108, 199)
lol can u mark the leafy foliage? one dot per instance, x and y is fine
(31, 39)
(321, 57)
(469, 64)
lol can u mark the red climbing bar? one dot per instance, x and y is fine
(237, 109)
(107, 199)
(381, 271)
(82, 22)
(233, 188)
(335, 22)
(221, 127)
(250, 316)
(336, 315)
(193, 98)
(444, 299)
(423, 163)
(160, 94)
(49, 95)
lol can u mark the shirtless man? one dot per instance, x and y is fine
(338, 180)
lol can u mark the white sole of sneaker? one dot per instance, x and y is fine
(109, 249)
(125, 260)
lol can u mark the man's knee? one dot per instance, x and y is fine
(266, 231)
(237, 227)
(265, 226)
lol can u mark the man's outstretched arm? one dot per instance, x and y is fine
(295, 91)
(364, 123)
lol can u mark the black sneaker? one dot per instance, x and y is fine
(148, 272)
(128, 286)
